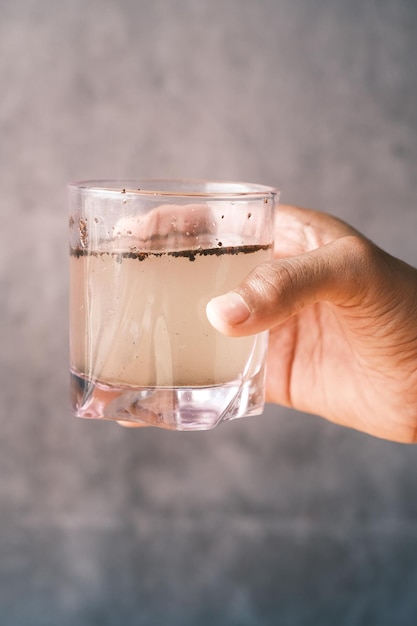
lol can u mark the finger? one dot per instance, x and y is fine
(172, 226)
(337, 272)
(299, 230)
(127, 424)
(167, 224)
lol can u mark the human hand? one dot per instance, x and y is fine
(342, 316)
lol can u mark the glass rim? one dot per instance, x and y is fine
(176, 187)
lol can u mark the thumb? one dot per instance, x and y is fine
(274, 291)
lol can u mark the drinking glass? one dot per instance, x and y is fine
(146, 256)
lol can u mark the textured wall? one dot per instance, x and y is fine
(282, 519)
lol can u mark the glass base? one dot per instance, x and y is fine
(174, 408)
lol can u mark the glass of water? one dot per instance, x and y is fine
(146, 256)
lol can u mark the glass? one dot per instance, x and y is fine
(146, 256)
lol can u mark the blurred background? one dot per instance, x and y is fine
(281, 519)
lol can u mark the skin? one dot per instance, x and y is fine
(342, 315)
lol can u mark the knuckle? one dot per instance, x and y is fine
(273, 282)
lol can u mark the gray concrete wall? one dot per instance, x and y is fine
(282, 519)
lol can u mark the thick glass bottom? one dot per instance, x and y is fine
(174, 408)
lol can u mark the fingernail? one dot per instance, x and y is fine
(230, 307)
